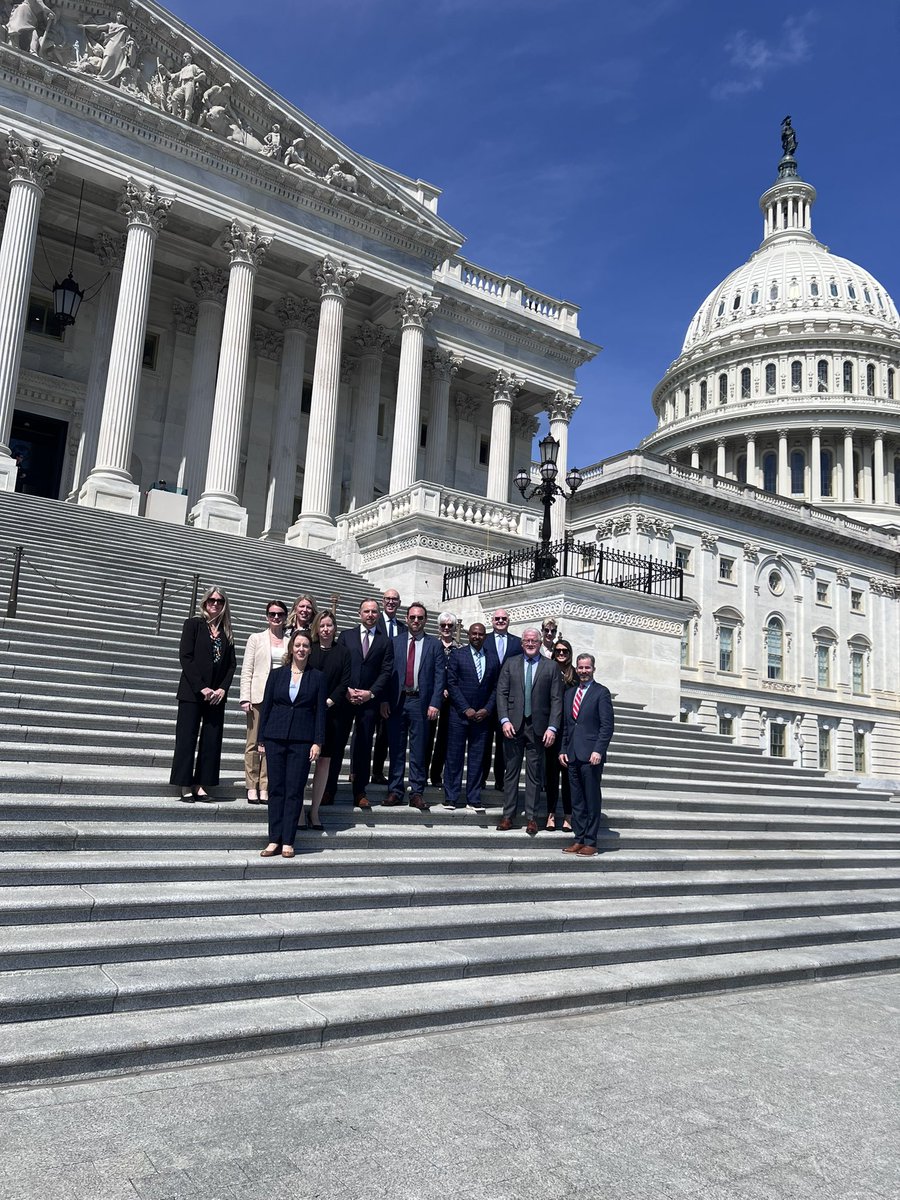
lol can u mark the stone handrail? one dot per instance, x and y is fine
(510, 293)
(815, 402)
(441, 503)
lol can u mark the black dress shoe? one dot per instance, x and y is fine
(379, 779)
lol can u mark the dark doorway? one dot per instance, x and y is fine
(39, 445)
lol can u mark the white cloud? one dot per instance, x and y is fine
(754, 60)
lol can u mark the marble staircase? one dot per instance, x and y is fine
(139, 931)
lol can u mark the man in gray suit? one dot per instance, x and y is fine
(529, 709)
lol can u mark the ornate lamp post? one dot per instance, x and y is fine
(547, 491)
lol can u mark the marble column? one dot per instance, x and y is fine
(209, 285)
(415, 310)
(443, 366)
(31, 170)
(110, 249)
(750, 451)
(695, 457)
(340, 498)
(298, 317)
(218, 507)
(720, 457)
(848, 466)
(372, 340)
(466, 409)
(560, 409)
(815, 465)
(878, 467)
(783, 485)
(109, 485)
(506, 386)
(314, 526)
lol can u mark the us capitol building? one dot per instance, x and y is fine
(286, 333)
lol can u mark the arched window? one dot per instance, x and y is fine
(754, 295)
(798, 472)
(814, 288)
(857, 475)
(833, 288)
(737, 302)
(723, 389)
(867, 295)
(796, 376)
(770, 379)
(851, 291)
(773, 292)
(745, 383)
(848, 375)
(870, 379)
(793, 289)
(890, 383)
(703, 395)
(774, 649)
(740, 468)
(897, 480)
(822, 375)
(826, 472)
(770, 471)
(720, 312)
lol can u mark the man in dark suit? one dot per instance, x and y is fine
(529, 709)
(588, 725)
(499, 644)
(389, 622)
(414, 698)
(471, 682)
(371, 659)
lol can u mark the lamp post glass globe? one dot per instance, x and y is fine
(67, 297)
(549, 448)
(522, 480)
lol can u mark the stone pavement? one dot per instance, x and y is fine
(778, 1094)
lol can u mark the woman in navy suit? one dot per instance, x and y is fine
(291, 732)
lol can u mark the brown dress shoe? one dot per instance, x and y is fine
(586, 851)
(361, 802)
(393, 800)
(416, 801)
(504, 824)
(531, 828)
(572, 848)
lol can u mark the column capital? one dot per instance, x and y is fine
(561, 406)
(296, 313)
(28, 160)
(209, 283)
(267, 342)
(525, 424)
(372, 338)
(720, 441)
(185, 315)
(415, 309)
(505, 386)
(750, 437)
(466, 406)
(110, 249)
(441, 362)
(849, 431)
(694, 447)
(878, 433)
(783, 433)
(144, 206)
(245, 244)
(335, 277)
(816, 430)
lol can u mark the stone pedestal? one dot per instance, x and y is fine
(166, 506)
(635, 638)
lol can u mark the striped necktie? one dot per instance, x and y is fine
(576, 703)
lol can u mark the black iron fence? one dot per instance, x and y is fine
(566, 559)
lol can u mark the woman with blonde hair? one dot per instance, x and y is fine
(208, 664)
(553, 772)
(263, 651)
(302, 615)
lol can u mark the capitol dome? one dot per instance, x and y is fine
(789, 376)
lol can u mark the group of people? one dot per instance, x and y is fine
(429, 706)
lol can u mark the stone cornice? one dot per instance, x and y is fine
(485, 318)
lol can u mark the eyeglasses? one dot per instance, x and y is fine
(411, 618)
(501, 620)
(213, 600)
(562, 651)
(444, 625)
(550, 629)
(276, 616)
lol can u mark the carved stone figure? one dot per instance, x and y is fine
(220, 95)
(29, 24)
(341, 176)
(184, 84)
(295, 155)
(220, 121)
(117, 48)
(788, 137)
(272, 147)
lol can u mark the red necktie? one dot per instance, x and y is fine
(576, 703)
(410, 680)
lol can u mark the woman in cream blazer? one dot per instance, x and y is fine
(263, 651)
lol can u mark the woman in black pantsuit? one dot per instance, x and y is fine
(291, 732)
(207, 669)
(333, 660)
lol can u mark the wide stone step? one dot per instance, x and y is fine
(64, 1048)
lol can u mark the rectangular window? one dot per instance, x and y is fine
(857, 672)
(484, 448)
(683, 557)
(824, 749)
(856, 600)
(726, 648)
(726, 568)
(859, 751)
(151, 352)
(381, 420)
(726, 725)
(40, 319)
(306, 403)
(823, 666)
(423, 436)
(821, 592)
(777, 743)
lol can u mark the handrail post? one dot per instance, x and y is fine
(12, 603)
(195, 592)
(159, 607)
(600, 557)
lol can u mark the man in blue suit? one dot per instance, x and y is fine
(472, 684)
(588, 725)
(414, 698)
(499, 644)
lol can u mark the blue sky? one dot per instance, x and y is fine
(612, 154)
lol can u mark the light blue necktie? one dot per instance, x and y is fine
(529, 667)
(479, 666)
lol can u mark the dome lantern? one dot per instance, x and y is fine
(787, 205)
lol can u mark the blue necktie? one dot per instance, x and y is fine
(479, 666)
(529, 667)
